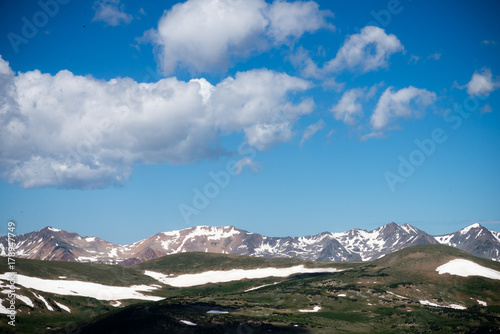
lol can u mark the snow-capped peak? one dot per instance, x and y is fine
(468, 228)
(409, 229)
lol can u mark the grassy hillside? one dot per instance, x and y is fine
(89, 272)
(186, 263)
(382, 296)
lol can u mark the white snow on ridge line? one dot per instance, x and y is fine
(84, 289)
(223, 276)
(54, 229)
(468, 228)
(189, 323)
(465, 268)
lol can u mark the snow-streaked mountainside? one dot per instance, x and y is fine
(354, 245)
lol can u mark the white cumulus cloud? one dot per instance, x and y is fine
(349, 108)
(482, 83)
(406, 102)
(207, 35)
(77, 131)
(367, 51)
(293, 19)
(111, 12)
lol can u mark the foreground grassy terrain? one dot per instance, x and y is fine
(382, 296)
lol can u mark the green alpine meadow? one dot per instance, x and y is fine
(400, 292)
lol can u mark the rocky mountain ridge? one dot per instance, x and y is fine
(354, 245)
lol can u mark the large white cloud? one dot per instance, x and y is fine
(76, 131)
(406, 102)
(482, 83)
(367, 51)
(206, 35)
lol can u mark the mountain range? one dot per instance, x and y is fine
(354, 245)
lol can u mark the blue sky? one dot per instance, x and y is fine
(121, 119)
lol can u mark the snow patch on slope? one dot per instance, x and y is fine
(444, 239)
(63, 307)
(496, 235)
(85, 289)
(3, 309)
(466, 268)
(222, 276)
(50, 308)
(25, 300)
(454, 306)
(314, 310)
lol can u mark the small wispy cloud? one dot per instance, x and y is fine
(488, 42)
(111, 12)
(413, 59)
(486, 109)
(246, 162)
(311, 130)
(434, 56)
(373, 134)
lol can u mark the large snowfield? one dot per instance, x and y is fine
(465, 268)
(222, 276)
(85, 289)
